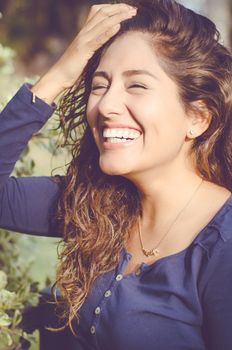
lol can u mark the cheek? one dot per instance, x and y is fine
(91, 113)
(91, 117)
(162, 123)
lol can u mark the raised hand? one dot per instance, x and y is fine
(102, 23)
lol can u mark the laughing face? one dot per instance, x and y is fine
(134, 111)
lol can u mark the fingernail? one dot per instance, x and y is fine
(133, 11)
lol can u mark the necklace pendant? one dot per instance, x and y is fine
(156, 252)
(152, 252)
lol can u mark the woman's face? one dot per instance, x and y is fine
(137, 120)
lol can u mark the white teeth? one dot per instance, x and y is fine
(122, 133)
(115, 140)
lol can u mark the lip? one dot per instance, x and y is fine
(120, 145)
(119, 126)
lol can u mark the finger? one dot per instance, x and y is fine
(106, 24)
(100, 35)
(106, 10)
(93, 10)
(101, 12)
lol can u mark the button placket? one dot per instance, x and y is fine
(119, 277)
(99, 308)
(93, 330)
(97, 312)
(107, 293)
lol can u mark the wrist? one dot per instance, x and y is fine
(47, 88)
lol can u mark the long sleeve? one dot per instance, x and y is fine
(27, 204)
(217, 300)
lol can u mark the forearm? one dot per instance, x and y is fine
(18, 121)
(28, 204)
(48, 87)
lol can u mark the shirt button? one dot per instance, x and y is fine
(119, 277)
(138, 272)
(108, 293)
(93, 330)
(97, 310)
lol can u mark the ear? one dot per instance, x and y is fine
(199, 118)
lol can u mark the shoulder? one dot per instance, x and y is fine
(223, 221)
(217, 202)
(218, 245)
(216, 238)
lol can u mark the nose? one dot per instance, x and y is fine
(112, 103)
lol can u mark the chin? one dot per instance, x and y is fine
(113, 169)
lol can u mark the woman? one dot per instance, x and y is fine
(145, 209)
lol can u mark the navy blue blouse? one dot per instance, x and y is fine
(180, 302)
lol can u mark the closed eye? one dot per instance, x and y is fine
(138, 86)
(98, 87)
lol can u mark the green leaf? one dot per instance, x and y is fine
(7, 299)
(3, 280)
(5, 320)
(17, 318)
(9, 339)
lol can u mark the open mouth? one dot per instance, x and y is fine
(120, 135)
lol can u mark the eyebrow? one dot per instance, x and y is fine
(127, 73)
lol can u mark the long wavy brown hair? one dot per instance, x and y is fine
(97, 212)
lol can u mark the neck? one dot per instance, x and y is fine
(162, 198)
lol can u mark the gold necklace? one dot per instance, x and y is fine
(155, 251)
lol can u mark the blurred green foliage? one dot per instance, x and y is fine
(17, 292)
(38, 29)
(18, 289)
